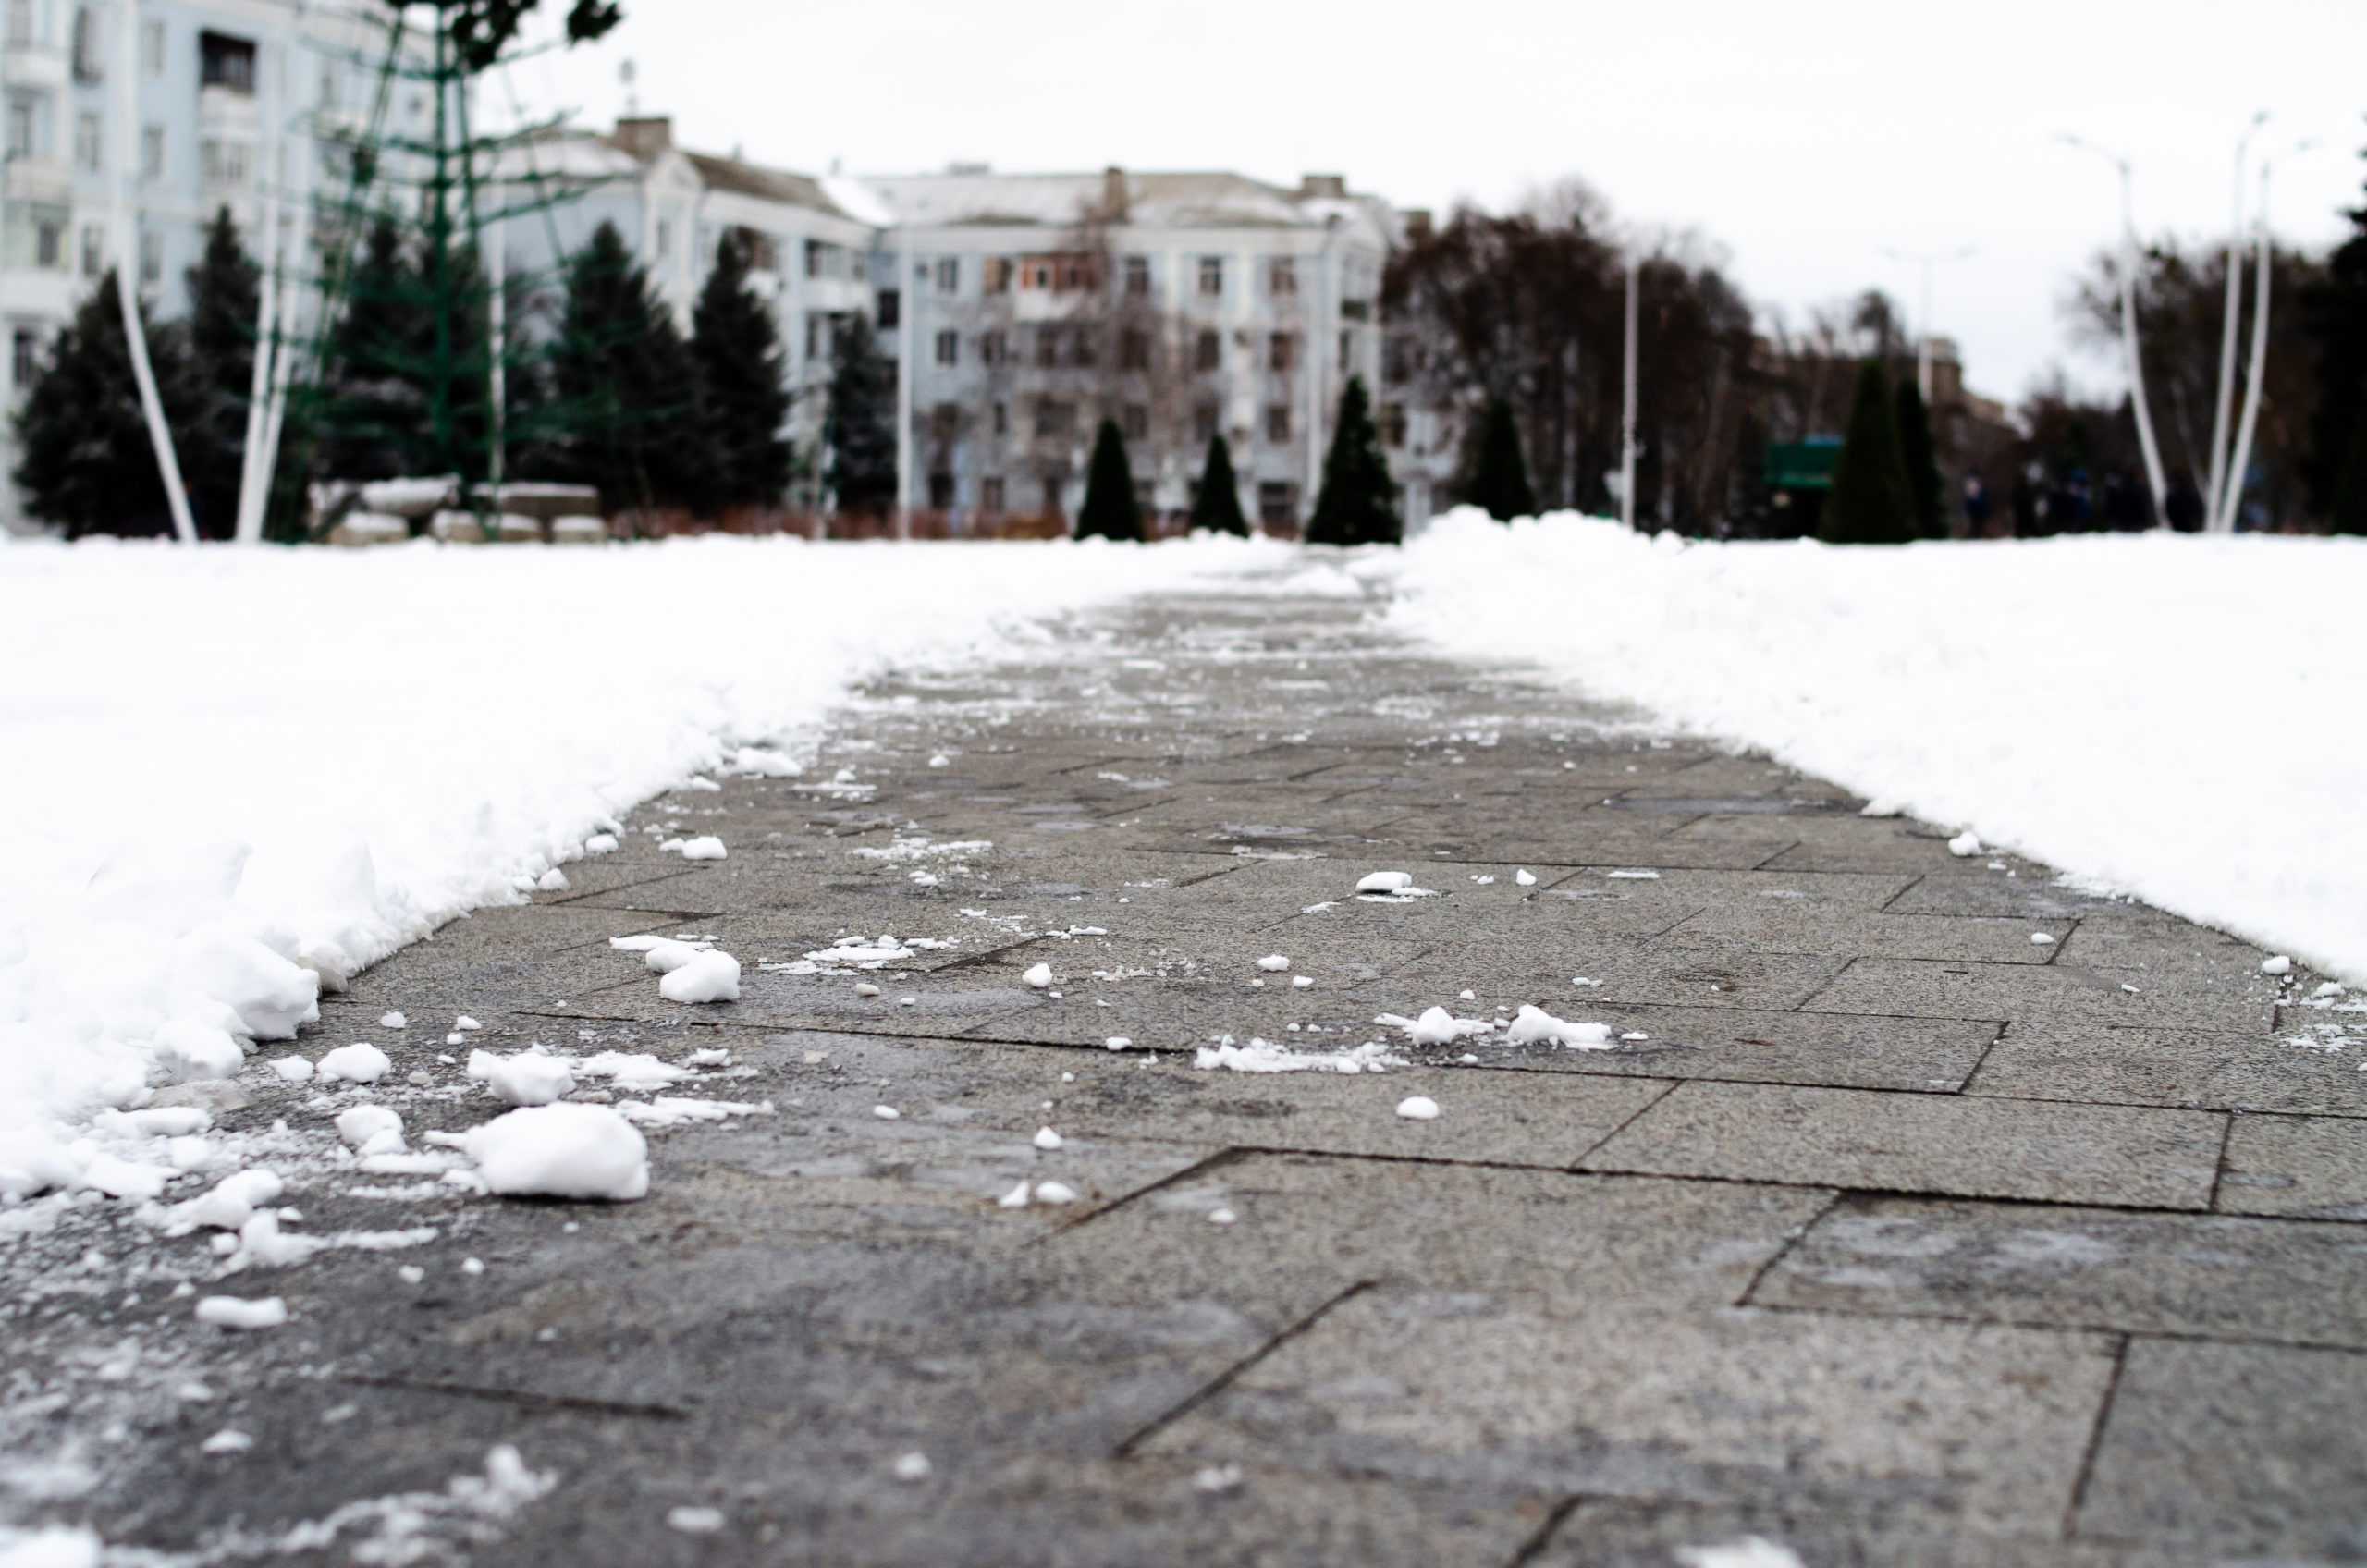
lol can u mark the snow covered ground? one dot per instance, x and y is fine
(2181, 718)
(232, 776)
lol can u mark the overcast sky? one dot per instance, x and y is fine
(1802, 139)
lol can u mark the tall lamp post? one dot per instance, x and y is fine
(1627, 418)
(2213, 486)
(1923, 309)
(2222, 518)
(2128, 333)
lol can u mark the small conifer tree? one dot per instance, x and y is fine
(1871, 501)
(85, 461)
(223, 289)
(2351, 485)
(1499, 480)
(860, 430)
(740, 371)
(1921, 454)
(628, 387)
(1358, 502)
(1216, 507)
(1111, 510)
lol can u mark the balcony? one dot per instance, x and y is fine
(39, 180)
(34, 66)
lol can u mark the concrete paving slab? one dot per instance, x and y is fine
(1953, 1144)
(1638, 1533)
(2054, 993)
(1838, 1050)
(2140, 1066)
(2305, 1167)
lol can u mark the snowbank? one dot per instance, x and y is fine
(2182, 718)
(236, 776)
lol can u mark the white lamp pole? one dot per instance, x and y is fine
(906, 298)
(2152, 452)
(2223, 405)
(1923, 311)
(1628, 419)
(2223, 519)
(127, 257)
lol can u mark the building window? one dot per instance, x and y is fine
(1277, 503)
(1282, 276)
(990, 494)
(152, 49)
(948, 347)
(20, 24)
(1081, 347)
(1136, 422)
(151, 152)
(992, 349)
(1397, 361)
(94, 250)
(1055, 419)
(88, 66)
(86, 143)
(151, 258)
(46, 244)
(227, 62)
(21, 127)
(813, 334)
(941, 492)
(1138, 276)
(1052, 488)
(1134, 349)
(949, 274)
(1278, 421)
(1392, 425)
(944, 422)
(1212, 275)
(328, 84)
(1002, 420)
(1281, 351)
(892, 310)
(25, 363)
(996, 278)
(225, 163)
(663, 245)
(1209, 353)
(1347, 361)
(1203, 423)
(1048, 346)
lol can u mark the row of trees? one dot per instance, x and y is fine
(602, 388)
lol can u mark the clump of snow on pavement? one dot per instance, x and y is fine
(1533, 1025)
(2092, 701)
(207, 832)
(1265, 1056)
(562, 1151)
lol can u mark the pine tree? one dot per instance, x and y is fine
(1216, 507)
(2350, 486)
(86, 462)
(860, 430)
(223, 291)
(1921, 455)
(1358, 502)
(741, 370)
(1499, 479)
(1111, 510)
(1871, 501)
(626, 387)
(374, 412)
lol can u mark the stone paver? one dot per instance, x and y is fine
(1880, 1231)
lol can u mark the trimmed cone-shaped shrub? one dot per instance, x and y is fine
(221, 326)
(85, 460)
(1499, 474)
(1111, 510)
(2350, 488)
(741, 367)
(1358, 502)
(1218, 506)
(1871, 501)
(860, 430)
(1921, 455)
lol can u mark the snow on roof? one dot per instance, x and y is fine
(858, 201)
(1212, 198)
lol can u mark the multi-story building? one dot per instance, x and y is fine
(221, 93)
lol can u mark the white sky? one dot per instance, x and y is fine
(1802, 138)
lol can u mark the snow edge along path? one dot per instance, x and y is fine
(2174, 717)
(239, 777)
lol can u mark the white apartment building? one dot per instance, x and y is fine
(221, 94)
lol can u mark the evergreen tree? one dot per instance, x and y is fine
(1218, 506)
(223, 289)
(1499, 474)
(86, 462)
(1921, 455)
(1110, 509)
(741, 370)
(1871, 501)
(372, 418)
(626, 387)
(2350, 487)
(1358, 502)
(860, 430)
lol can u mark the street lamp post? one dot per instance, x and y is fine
(2223, 405)
(1628, 419)
(2222, 519)
(2145, 442)
(1923, 311)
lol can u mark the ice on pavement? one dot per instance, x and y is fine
(1385, 882)
(1264, 1056)
(565, 1151)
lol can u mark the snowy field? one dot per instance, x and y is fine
(230, 772)
(2181, 719)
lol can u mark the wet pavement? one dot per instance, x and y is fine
(1882, 1231)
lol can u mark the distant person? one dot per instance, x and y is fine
(1976, 506)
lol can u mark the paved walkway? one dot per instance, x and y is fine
(1924, 1212)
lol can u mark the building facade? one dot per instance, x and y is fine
(222, 98)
